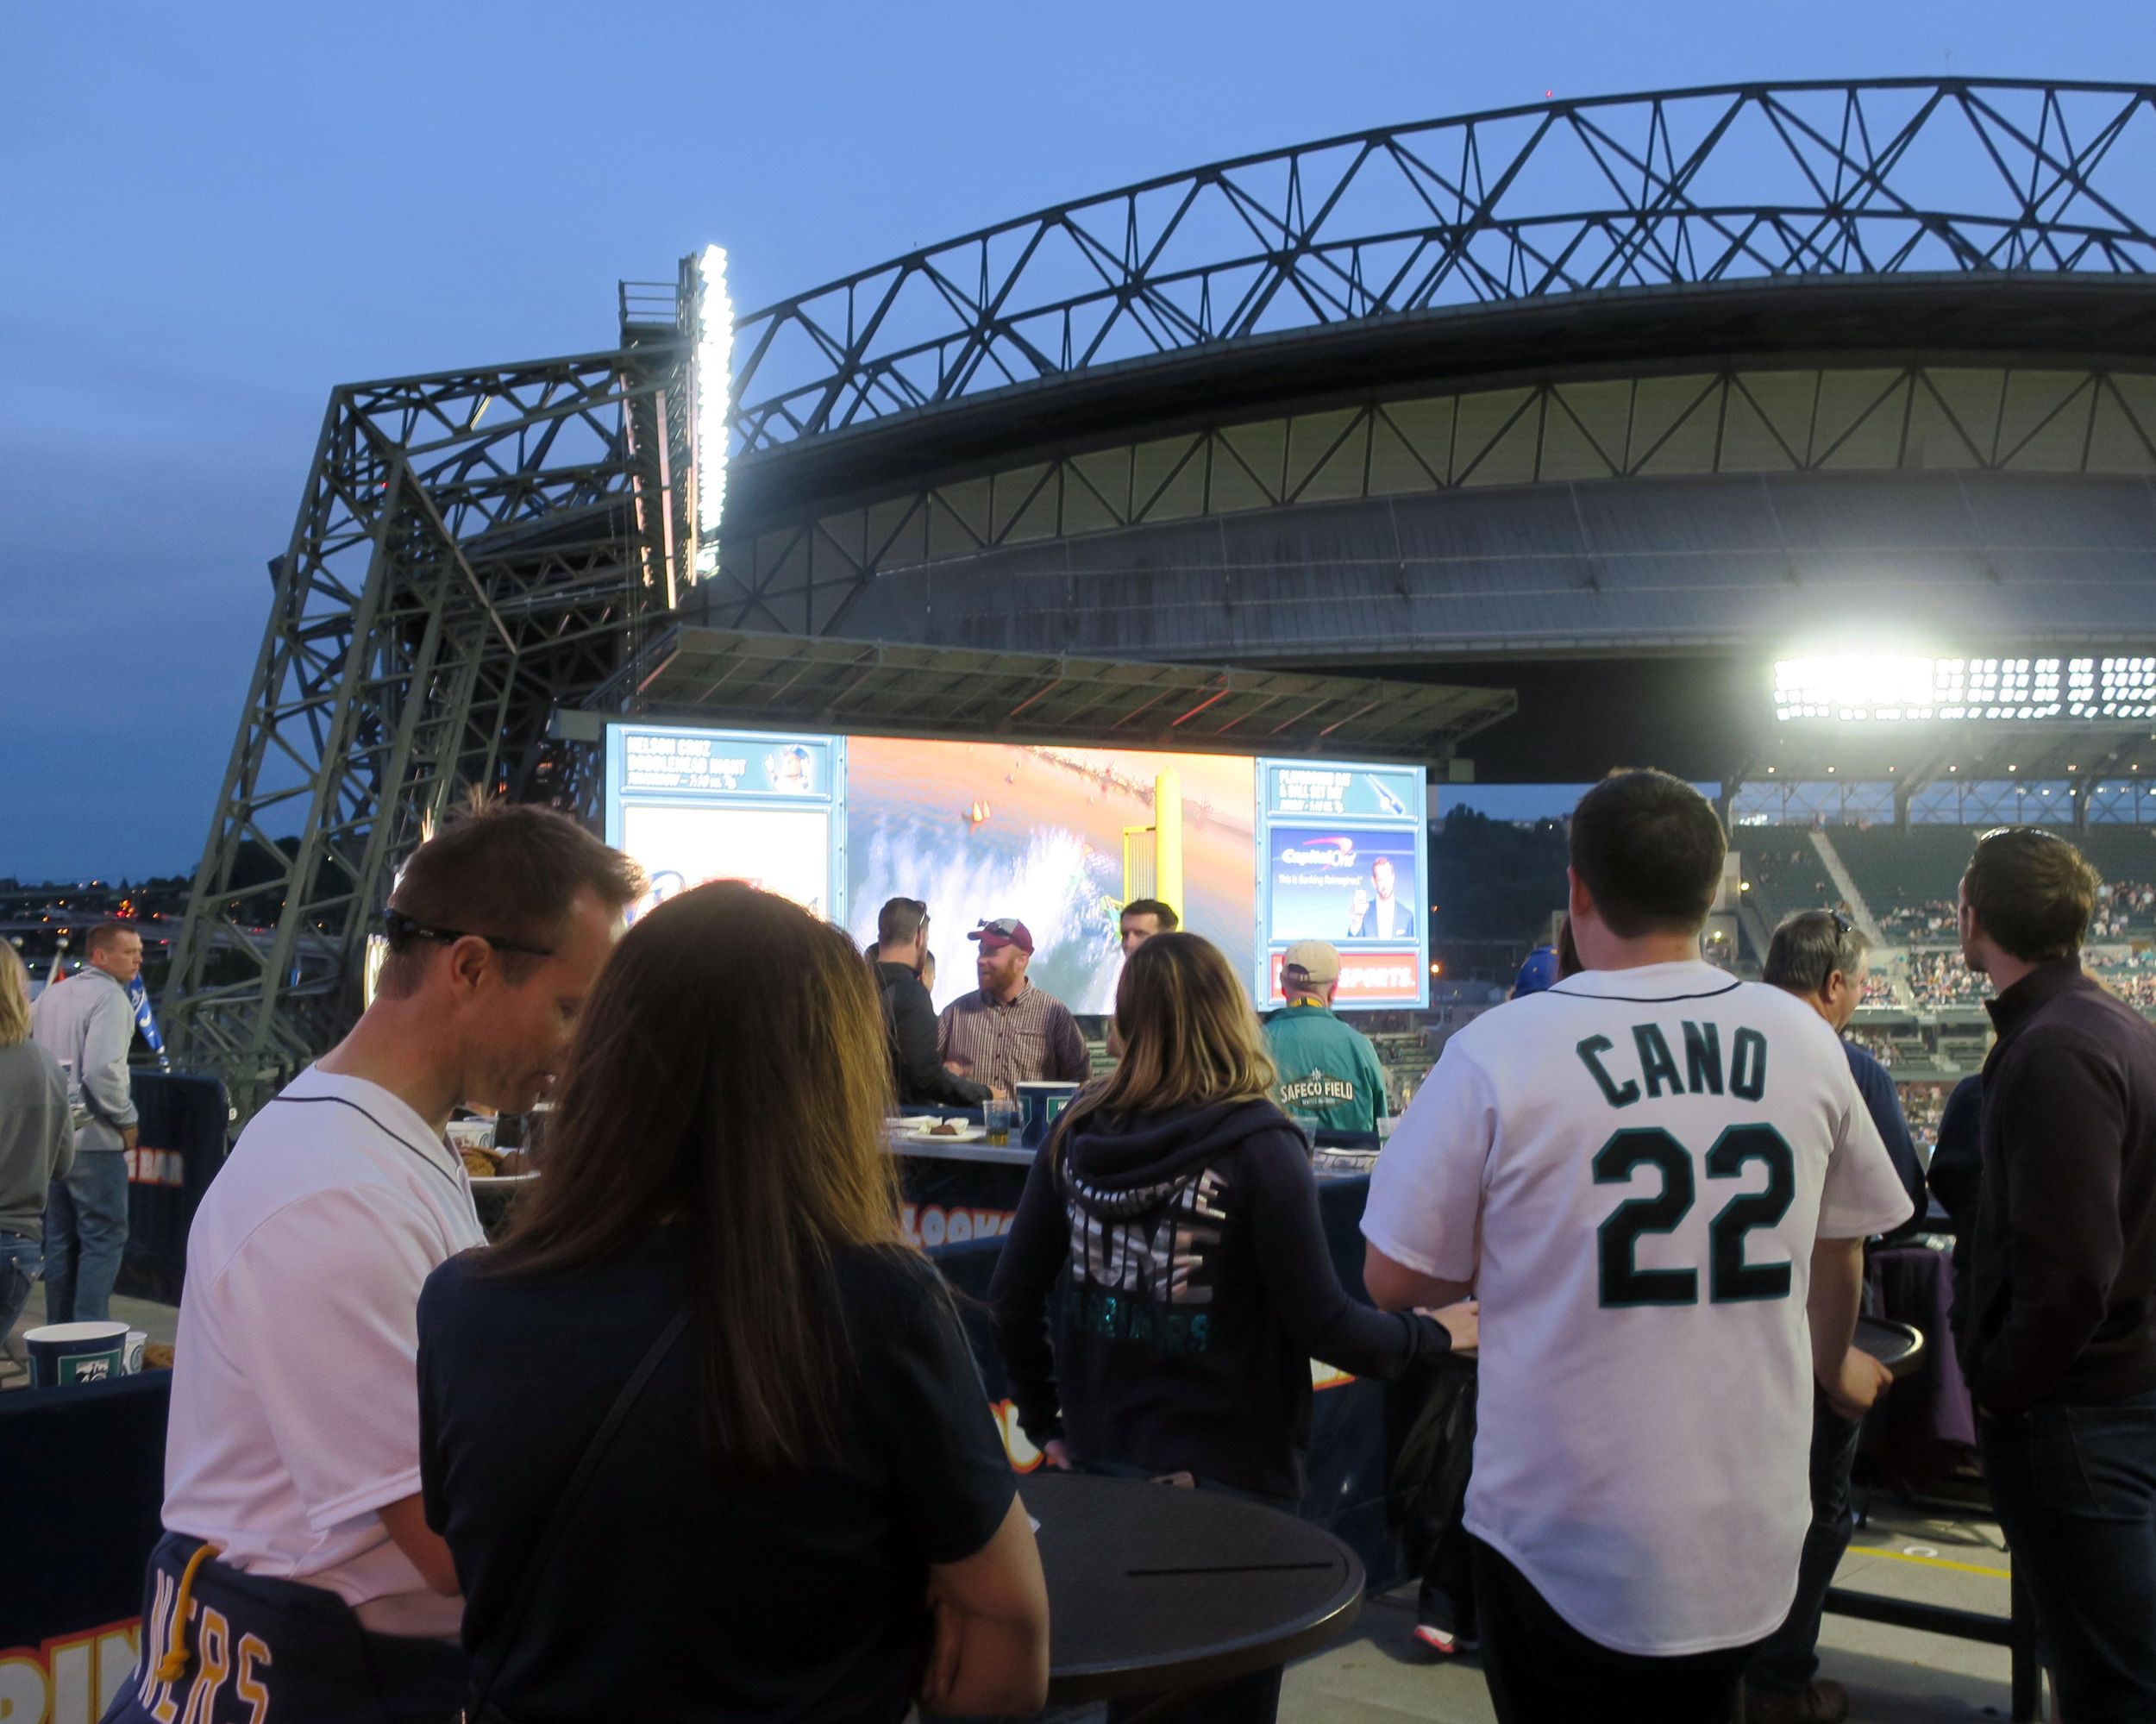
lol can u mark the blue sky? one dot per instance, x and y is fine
(211, 215)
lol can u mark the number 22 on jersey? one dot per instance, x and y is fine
(1729, 1277)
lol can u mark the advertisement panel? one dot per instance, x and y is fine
(1342, 855)
(694, 806)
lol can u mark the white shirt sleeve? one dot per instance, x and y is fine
(324, 1298)
(1863, 1194)
(1425, 1199)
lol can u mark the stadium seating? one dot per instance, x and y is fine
(1783, 871)
(1908, 876)
(2126, 857)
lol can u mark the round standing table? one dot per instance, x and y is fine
(1153, 1589)
(1897, 1346)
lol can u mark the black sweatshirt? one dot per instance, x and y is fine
(2062, 1305)
(1956, 1176)
(1202, 1290)
(909, 1018)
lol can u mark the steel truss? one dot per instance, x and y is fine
(474, 547)
(477, 548)
(1673, 189)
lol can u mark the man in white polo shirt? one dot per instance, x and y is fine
(292, 1472)
(1658, 1180)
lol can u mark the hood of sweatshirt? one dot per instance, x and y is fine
(1126, 1165)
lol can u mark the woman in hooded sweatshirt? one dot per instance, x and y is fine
(1203, 1287)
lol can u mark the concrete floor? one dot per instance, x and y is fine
(1379, 1674)
(1893, 1676)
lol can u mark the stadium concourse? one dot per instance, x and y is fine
(1514, 445)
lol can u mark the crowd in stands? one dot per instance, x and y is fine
(2122, 907)
(2132, 978)
(1922, 1105)
(1880, 1048)
(1941, 978)
(1924, 923)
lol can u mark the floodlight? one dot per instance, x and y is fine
(714, 402)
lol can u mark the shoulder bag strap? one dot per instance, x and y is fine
(550, 1537)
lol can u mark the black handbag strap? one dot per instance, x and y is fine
(550, 1535)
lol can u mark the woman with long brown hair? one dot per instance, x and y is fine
(37, 1140)
(701, 1433)
(1175, 1204)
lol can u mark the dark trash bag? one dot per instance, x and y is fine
(1436, 1457)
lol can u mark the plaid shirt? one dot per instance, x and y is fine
(1031, 1038)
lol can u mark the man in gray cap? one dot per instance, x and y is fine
(1330, 1077)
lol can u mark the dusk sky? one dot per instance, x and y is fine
(212, 214)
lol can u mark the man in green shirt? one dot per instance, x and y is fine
(1330, 1078)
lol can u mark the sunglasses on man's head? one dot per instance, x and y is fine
(399, 926)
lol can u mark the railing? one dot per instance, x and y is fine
(1671, 188)
(649, 306)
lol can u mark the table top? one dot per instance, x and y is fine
(1898, 1346)
(899, 1142)
(1153, 1589)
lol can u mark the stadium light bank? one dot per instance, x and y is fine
(714, 402)
(1891, 688)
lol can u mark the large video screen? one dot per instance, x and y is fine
(1253, 854)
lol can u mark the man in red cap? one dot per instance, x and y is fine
(1009, 1033)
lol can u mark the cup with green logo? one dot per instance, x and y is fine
(62, 1354)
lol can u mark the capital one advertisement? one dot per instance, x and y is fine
(1344, 850)
(1253, 854)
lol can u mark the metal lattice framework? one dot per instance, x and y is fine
(474, 547)
(1672, 190)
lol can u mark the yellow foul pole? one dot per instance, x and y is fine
(1168, 839)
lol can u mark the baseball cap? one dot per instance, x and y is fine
(1315, 960)
(1538, 974)
(1004, 931)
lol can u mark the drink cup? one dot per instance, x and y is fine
(66, 1353)
(1001, 1117)
(1040, 1103)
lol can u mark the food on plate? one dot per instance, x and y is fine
(480, 1163)
(945, 1130)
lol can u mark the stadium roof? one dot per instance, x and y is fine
(734, 677)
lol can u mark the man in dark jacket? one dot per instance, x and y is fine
(909, 1015)
(2061, 1314)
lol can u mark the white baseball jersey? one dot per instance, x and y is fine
(295, 1390)
(1632, 1169)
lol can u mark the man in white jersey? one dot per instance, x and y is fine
(297, 1576)
(1658, 1180)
